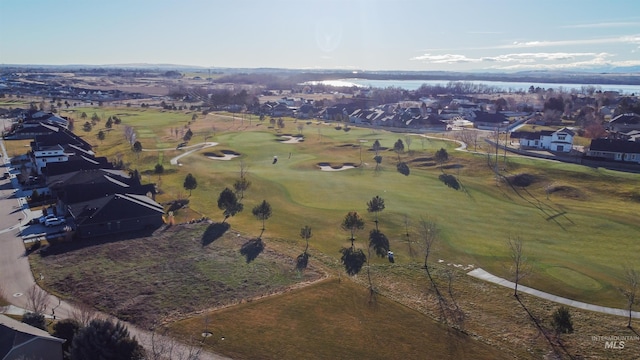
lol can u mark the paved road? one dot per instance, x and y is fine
(16, 278)
(481, 274)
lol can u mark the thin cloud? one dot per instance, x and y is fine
(601, 25)
(485, 32)
(529, 57)
(627, 39)
(445, 58)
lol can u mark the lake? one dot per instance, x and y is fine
(504, 85)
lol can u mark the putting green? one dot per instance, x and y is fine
(573, 278)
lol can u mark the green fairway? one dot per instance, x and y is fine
(579, 225)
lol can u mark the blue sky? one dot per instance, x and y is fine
(453, 35)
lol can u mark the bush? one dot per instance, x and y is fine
(561, 321)
(35, 320)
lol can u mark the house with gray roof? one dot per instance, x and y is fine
(19, 341)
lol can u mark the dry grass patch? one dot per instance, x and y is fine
(165, 276)
(331, 320)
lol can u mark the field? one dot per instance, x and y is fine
(579, 224)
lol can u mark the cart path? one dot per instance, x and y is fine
(483, 275)
(193, 148)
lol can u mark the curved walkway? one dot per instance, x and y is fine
(196, 147)
(483, 275)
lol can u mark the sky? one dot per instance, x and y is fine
(358, 35)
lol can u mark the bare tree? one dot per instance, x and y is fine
(520, 265)
(37, 299)
(83, 313)
(163, 346)
(630, 291)
(429, 234)
(130, 134)
(242, 184)
(408, 139)
(407, 222)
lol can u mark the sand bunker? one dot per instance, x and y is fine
(228, 155)
(324, 166)
(288, 139)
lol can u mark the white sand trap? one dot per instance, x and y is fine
(291, 139)
(326, 167)
(225, 157)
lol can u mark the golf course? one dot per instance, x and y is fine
(578, 224)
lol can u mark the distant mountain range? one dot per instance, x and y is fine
(602, 75)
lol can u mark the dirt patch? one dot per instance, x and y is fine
(567, 191)
(423, 162)
(523, 180)
(167, 275)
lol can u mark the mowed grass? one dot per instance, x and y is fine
(330, 320)
(586, 225)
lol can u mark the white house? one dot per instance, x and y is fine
(558, 141)
(49, 154)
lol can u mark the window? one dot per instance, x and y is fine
(562, 136)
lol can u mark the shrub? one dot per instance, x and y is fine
(561, 321)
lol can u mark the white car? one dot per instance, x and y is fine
(54, 222)
(43, 219)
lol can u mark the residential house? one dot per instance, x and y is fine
(21, 131)
(86, 185)
(559, 141)
(488, 121)
(281, 110)
(614, 150)
(47, 155)
(117, 213)
(20, 341)
(305, 111)
(60, 136)
(624, 123)
(76, 162)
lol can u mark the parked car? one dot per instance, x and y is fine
(54, 222)
(42, 219)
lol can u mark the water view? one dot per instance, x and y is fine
(504, 85)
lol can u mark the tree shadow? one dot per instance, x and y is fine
(379, 242)
(353, 260)
(251, 249)
(302, 261)
(214, 232)
(403, 168)
(450, 180)
(554, 341)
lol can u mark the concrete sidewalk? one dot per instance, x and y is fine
(483, 275)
